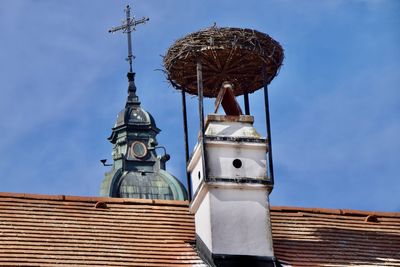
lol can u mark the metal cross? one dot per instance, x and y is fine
(129, 26)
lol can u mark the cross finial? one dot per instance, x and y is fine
(127, 27)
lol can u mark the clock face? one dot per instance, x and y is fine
(138, 149)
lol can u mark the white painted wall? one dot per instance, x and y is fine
(195, 168)
(203, 221)
(220, 157)
(240, 221)
(232, 218)
(235, 220)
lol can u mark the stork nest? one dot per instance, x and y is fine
(247, 58)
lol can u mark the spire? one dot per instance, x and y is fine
(127, 27)
(133, 99)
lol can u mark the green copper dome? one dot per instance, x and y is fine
(138, 172)
(160, 185)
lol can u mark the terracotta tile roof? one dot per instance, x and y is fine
(37, 230)
(42, 230)
(327, 237)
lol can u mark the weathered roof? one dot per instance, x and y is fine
(43, 230)
(330, 237)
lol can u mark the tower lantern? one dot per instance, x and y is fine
(230, 172)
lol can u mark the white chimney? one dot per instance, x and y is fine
(230, 201)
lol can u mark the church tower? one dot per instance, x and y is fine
(138, 171)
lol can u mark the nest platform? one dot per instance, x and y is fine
(247, 58)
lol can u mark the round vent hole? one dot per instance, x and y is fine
(237, 163)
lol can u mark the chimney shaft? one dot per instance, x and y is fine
(230, 202)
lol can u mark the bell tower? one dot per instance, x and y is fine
(138, 171)
(230, 169)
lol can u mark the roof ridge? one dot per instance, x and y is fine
(94, 199)
(336, 211)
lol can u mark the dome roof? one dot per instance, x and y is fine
(150, 185)
(135, 115)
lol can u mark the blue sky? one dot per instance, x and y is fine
(334, 106)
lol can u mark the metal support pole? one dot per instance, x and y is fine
(268, 122)
(246, 103)
(185, 132)
(128, 31)
(201, 115)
